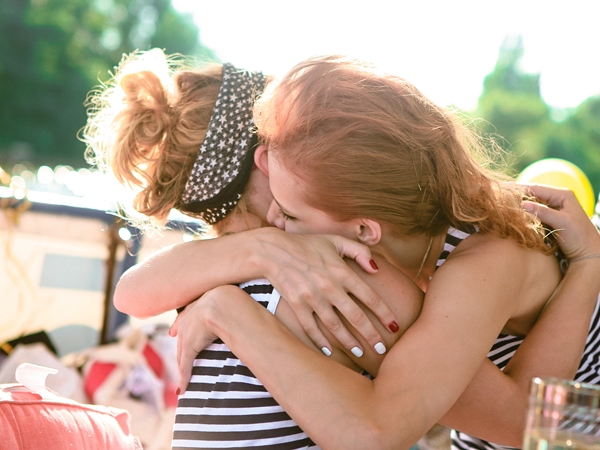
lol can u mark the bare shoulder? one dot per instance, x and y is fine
(505, 254)
(513, 280)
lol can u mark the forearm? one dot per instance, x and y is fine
(177, 275)
(494, 405)
(336, 407)
(555, 344)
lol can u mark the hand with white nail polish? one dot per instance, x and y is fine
(356, 351)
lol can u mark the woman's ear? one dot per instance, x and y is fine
(261, 160)
(368, 232)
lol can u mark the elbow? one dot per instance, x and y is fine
(513, 438)
(124, 300)
(121, 300)
(373, 435)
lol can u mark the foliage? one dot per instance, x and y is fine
(53, 52)
(523, 124)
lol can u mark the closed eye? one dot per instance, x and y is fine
(285, 216)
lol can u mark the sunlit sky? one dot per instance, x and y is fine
(445, 47)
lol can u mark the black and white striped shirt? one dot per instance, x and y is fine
(506, 346)
(226, 406)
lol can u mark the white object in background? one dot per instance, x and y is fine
(33, 377)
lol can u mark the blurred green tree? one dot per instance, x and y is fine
(53, 52)
(512, 106)
(516, 117)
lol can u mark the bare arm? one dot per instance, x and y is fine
(303, 268)
(419, 380)
(492, 407)
(403, 296)
(554, 345)
(177, 275)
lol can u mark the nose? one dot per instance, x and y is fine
(273, 216)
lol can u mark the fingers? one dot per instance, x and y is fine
(560, 207)
(555, 218)
(347, 248)
(556, 198)
(191, 339)
(309, 325)
(362, 255)
(307, 315)
(326, 298)
(185, 363)
(563, 212)
(373, 301)
(332, 321)
(359, 321)
(174, 327)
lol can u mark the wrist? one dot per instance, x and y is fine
(221, 301)
(582, 258)
(585, 268)
(262, 250)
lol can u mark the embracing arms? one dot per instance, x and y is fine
(178, 275)
(412, 390)
(555, 344)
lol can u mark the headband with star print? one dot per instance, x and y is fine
(226, 155)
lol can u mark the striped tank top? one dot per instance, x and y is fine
(506, 346)
(226, 406)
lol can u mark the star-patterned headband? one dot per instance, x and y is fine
(226, 155)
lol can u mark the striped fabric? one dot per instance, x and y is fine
(506, 346)
(226, 407)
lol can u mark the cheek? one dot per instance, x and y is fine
(290, 226)
(310, 227)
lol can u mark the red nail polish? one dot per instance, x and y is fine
(177, 391)
(373, 265)
(394, 327)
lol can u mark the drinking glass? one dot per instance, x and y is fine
(562, 415)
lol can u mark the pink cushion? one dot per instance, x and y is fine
(28, 422)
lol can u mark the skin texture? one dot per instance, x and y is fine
(402, 403)
(146, 288)
(407, 395)
(488, 285)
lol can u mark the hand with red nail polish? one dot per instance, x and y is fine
(191, 329)
(311, 274)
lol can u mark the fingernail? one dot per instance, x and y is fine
(374, 265)
(177, 391)
(326, 351)
(394, 327)
(380, 348)
(357, 352)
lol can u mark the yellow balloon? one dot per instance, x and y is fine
(560, 173)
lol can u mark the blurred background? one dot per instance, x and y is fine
(527, 72)
(530, 69)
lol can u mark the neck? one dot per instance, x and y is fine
(238, 222)
(415, 255)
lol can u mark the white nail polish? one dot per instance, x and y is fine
(380, 348)
(326, 351)
(357, 352)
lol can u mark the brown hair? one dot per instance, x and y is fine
(146, 127)
(372, 145)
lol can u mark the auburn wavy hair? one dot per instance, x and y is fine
(370, 144)
(146, 125)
